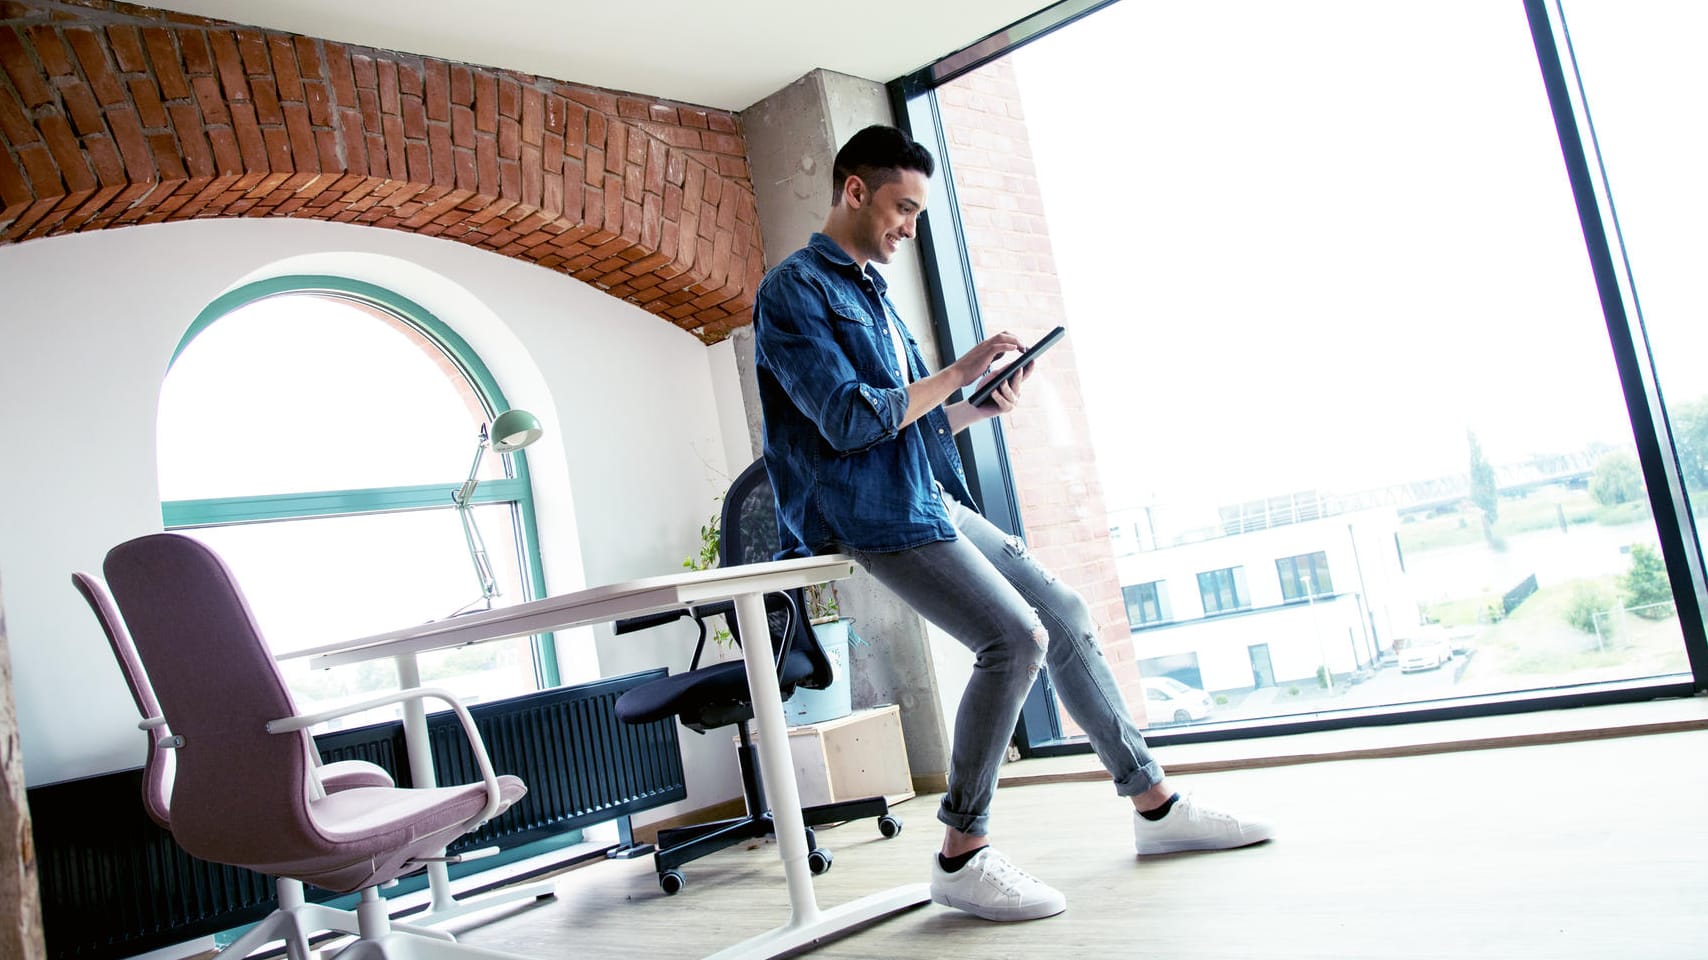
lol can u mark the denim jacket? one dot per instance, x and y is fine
(843, 472)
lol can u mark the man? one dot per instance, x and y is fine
(860, 449)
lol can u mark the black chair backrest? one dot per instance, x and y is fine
(748, 528)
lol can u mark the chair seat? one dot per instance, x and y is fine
(691, 694)
(342, 775)
(373, 833)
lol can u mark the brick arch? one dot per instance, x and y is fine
(114, 114)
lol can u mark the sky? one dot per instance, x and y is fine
(1311, 245)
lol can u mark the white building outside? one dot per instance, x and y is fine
(1232, 612)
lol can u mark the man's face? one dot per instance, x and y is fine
(887, 216)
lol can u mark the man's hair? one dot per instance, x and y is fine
(877, 155)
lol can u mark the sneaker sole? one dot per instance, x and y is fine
(1036, 911)
(1186, 846)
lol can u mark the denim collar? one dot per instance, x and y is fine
(828, 250)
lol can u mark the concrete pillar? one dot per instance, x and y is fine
(792, 137)
(20, 898)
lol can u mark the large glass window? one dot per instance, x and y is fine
(311, 431)
(1223, 590)
(1304, 576)
(1146, 603)
(1329, 307)
(1643, 83)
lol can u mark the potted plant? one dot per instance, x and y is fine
(710, 540)
(835, 634)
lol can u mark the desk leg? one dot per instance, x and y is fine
(420, 750)
(443, 905)
(807, 923)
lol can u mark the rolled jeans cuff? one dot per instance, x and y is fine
(973, 826)
(1140, 780)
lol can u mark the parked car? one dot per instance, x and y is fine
(1425, 651)
(1167, 700)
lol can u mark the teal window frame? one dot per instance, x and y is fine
(516, 489)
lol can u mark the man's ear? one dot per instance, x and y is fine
(854, 192)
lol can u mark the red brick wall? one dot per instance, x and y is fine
(114, 114)
(1014, 274)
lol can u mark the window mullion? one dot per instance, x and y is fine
(178, 514)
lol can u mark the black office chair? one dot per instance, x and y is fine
(707, 698)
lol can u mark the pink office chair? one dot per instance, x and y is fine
(296, 920)
(245, 790)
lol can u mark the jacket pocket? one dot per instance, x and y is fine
(848, 311)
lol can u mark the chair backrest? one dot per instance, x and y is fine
(748, 534)
(157, 769)
(240, 794)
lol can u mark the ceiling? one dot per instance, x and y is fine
(714, 53)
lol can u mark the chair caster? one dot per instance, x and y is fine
(672, 882)
(819, 860)
(888, 826)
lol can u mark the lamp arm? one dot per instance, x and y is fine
(477, 555)
(466, 491)
(471, 530)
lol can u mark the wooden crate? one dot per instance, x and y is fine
(860, 755)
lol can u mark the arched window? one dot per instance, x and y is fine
(313, 430)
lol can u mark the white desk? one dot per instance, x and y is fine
(747, 586)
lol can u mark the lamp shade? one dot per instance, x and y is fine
(513, 430)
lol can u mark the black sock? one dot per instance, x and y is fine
(951, 864)
(1161, 811)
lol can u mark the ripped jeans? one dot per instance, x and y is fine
(987, 591)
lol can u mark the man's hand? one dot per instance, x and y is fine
(963, 414)
(929, 393)
(975, 363)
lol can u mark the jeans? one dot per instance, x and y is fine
(987, 591)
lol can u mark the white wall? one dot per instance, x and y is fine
(635, 448)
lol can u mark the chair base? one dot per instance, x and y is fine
(380, 939)
(680, 845)
(297, 922)
(402, 946)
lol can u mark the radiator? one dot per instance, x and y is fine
(113, 884)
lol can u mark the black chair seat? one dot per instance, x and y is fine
(694, 694)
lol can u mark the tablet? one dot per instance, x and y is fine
(983, 393)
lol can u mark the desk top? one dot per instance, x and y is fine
(581, 607)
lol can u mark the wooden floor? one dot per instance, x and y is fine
(1588, 849)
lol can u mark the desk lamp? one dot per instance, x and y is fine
(511, 431)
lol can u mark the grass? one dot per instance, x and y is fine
(1536, 643)
(1538, 511)
(1462, 612)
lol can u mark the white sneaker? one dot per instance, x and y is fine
(1189, 826)
(993, 888)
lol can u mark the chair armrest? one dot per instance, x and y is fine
(699, 614)
(304, 721)
(151, 724)
(647, 621)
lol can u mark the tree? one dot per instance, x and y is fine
(1690, 436)
(1646, 585)
(1483, 492)
(1587, 601)
(1617, 480)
